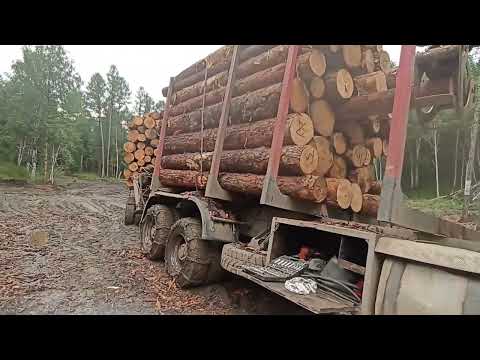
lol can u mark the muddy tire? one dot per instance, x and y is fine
(154, 231)
(190, 260)
(235, 255)
(130, 211)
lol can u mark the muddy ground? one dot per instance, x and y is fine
(91, 264)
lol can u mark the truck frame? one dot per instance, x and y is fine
(407, 258)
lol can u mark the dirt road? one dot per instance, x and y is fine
(91, 264)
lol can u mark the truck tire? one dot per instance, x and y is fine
(235, 255)
(190, 260)
(154, 230)
(130, 211)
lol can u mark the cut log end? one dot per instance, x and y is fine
(140, 146)
(129, 147)
(376, 146)
(317, 87)
(357, 198)
(384, 62)
(325, 156)
(300, 128)
(308, 159)
(352, 56)
(339, 143)
(128, 158)
(317, 62)
(299, 96)
(338, 169)
(323, 117)
(149, 122)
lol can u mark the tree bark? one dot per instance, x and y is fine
(259, 80)
(299, 131)
(109, 140)
(295, 160)
(268, 59)
(103, 147)
(254, 106)
(303, 188)
(435, 147)
(218, 62)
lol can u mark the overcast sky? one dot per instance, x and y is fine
(149, 66)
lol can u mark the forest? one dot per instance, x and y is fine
(53, 122)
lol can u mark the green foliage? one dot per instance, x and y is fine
(9, 171)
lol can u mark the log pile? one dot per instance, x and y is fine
(337, 127)
(140, 148)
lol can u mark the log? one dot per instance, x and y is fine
(363, 176)
(295, 160)
(368, 61)
(438, 62)
(149, 151)
(359, 156)
(357, 198)
(299, 96)
(149, 122)
(339, 86)
(133, 166)
(153, 160)
(139, 154)
(311, 64)
(128, 158)
(250, 83)
(375, 188)
(137, 121)
(129, 183)
(323, 117)
(147, 159)
(391, 79)
(352, 56)
(141, 137)
(254, 106)
(339, 191)
(370, 205)
(140, 146)
(339, 143)
(374, 124)
(140, 162)
(298, 131)
(353, 131)
(156, 115)
(141, 129)
(303, 188)
(154, 142)
(132, 135)
(335, 48)
(375, 145)
(317, 87)
(266, 60)
(127, 173)
(324, 155)
(151, 134)
(129, 147)
(371, 83)
(381, 103)
(338, 169)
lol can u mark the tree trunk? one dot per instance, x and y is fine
(418, 143)
(45, 163)
(295, 160)
(254, 106)
(109, 140)
(455, 166)
(471, 158)
(117, 165)
(103, 147)
(435, 146)
(299, 131)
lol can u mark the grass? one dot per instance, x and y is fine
(12, 172)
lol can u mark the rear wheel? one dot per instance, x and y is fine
(190, 260)
(154, 230)
(130, 211)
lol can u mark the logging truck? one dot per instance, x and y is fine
(265, 151)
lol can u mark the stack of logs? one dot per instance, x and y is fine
(325, 157)
(140, 149)
(338, 122)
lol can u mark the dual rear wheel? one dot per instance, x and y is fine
(190, 260)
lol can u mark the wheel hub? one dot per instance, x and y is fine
(182, 252)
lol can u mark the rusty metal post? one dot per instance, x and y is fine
(213, 188)
(161, 143)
